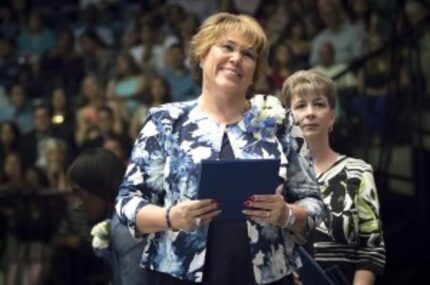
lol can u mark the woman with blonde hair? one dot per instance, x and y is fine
(158, 198)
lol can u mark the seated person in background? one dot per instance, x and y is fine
(346, 40)
(17, 109)
(109, 123)
(327, 65)
(9, 138)
(89, 100)
(95, 176)
(178, 76)
(159, 93)
(53, 163)
(350, 236)
(127, 84)
(31, 144)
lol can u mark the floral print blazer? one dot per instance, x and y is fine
(164, 170)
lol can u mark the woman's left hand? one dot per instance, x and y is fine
(271, 209)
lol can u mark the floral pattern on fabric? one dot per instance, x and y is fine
(353, 228)
(164, 170)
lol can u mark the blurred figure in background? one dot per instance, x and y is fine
(53, 163)
(376, 83)
(127, 85)
(9, 139)
(35, 38)
(98, 59)
(339, 32)
(178, 75)
(152, 44)
(89, 100)
(283, 64)
(62, 64)
(18, 109)
(13, 68)
(12, 173)
(95, 176)
(299, 41)
(31, 143)
(61, 109)
(159, 93)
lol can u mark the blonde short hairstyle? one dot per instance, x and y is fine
(220, 24)
(305, 82)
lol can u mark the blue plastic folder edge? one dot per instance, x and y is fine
(232, 182)
(311, 273)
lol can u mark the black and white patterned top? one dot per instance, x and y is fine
(350, 235)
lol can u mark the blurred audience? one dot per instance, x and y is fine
(90, 99)
(109, 123)
(12, 67)
(297, 38)
(12, 172)
(36, 38)
(159, 93)
(178, 75)
(149, 52)
(283, 64)
(53, 163)
(18, 110)
(98, 59)
(127, 85)
(339, 32)
(62, 64)
(91, 22)
(62, 113)
(376, 82)
(31, 143)
(329, 67)
(9, 139)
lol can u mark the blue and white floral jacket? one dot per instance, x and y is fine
(164, 170)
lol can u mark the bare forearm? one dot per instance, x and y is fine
(364, 277)
(151, 219)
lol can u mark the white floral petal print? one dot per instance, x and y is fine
(200, 153)
(135, 175)
(164, 169)
(253, 232)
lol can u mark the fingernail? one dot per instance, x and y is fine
(247, 203)
(252, 198)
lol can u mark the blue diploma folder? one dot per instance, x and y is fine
(232, 182)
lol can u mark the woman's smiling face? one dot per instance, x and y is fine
(230, 65)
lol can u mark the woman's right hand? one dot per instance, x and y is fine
(188, 215)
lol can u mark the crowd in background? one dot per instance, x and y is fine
(80, 74)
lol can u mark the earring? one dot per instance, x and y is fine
(201, 65)
(330, 129)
